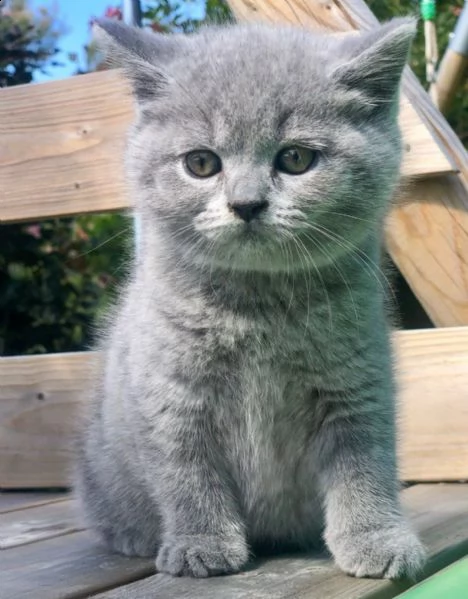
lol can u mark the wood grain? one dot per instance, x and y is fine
(438, 512)
(53, 519)
(39, 402)
(414, 257)
(433, 414)
(12, 501)
(40, 398)
(74, 566)
(62, 145)
(427, 237)
(67, 567)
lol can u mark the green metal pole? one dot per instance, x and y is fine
(449, 583)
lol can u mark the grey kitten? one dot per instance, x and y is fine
(246, 399)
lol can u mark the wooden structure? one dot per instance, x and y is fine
(60, 155)
(46, 555)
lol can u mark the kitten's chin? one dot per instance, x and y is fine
(242, 248)
(248, 256)
(259, 249)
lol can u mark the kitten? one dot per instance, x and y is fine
(246, 398)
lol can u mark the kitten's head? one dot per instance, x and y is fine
(262, 148)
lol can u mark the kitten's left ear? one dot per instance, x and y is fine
(376, 59)
(139, 53)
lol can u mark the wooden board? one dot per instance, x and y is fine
(42, 557)
(25, 526)
(11, 501)
(438, 511)
(62, 144)
(39, 401)
(66, 567)
(428, 241)
(433, 369)
(75, 566)
(40, 397)
(422, 204)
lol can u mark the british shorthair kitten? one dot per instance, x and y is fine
(246, 399)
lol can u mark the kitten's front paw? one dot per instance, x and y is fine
(201, 556)
(393, 552)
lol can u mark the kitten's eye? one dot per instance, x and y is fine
(203, 163)
(295, 160)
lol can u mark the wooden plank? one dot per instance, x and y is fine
(12, 501)
(416, 261)
(67, 567)
(62, 143)
(46, 521)
(423, 157)
(74, 566)
(438, 511)
(40, 397)
(433, 369)
(39, 403)
(428, 241)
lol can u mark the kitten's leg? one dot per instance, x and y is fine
(203, 533)
(365, 529)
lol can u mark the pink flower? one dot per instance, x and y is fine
(34, 231)
(113, 12)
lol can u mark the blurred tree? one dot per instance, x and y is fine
(28, 41)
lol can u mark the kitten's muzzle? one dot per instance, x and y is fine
(247, 211)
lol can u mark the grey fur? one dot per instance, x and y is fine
(246, 396)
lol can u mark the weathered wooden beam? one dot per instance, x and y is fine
(424, 203)
(40, 399)
(61, 149)
(38, 564)
(437, 512)
(62, 146)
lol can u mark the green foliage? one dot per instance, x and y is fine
(27, 41)
(52, 282)
(173, 15)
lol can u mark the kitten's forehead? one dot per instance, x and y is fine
(244, 84)
(259, 62)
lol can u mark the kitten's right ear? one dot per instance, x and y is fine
(138, 52)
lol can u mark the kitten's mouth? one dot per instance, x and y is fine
(252, 235)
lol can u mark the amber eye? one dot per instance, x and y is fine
(203, 163)
(295, 160)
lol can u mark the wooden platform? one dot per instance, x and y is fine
(46, 554)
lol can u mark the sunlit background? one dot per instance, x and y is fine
(73, 19)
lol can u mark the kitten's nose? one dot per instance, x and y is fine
(247, 211)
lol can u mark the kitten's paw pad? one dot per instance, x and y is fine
(385, 553)
(201, 556)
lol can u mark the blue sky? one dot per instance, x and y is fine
(75, 15)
